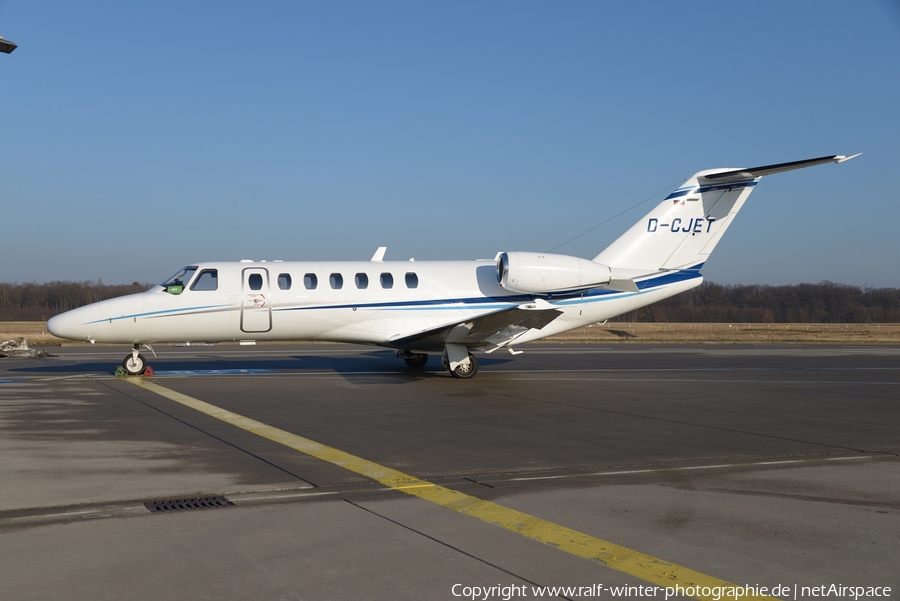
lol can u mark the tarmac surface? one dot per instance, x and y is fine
(346, 475)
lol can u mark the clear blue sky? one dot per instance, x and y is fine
(139, 137)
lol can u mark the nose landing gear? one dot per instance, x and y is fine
(135, 364)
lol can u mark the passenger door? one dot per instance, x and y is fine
(256, 306)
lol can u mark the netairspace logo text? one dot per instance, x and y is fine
(716, 593)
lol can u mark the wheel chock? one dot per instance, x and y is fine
(148, 371)
(120, 371)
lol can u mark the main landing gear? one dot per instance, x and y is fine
(414, 359)
(459, 362)
(466, 370)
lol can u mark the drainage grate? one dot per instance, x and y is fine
(187, 504)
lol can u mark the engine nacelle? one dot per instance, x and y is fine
(542, 273)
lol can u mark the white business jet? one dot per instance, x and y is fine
(418, 307)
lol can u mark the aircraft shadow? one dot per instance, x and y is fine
(373, 363)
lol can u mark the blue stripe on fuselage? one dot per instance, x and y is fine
(170, 312)
(506, 302)
(701, 189)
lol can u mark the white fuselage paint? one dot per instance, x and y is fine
(446, 292)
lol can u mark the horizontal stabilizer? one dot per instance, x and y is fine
(754, 172)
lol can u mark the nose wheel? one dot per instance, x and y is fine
(134, 364)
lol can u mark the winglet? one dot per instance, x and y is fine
(378, 257)
(841, 159)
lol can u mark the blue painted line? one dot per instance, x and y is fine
(710, 188)
(186, 310)
(507, 302)
(480, 302)
(678, 276)
(210, 372)
(728, 186)
(8, 381)
(467, 307)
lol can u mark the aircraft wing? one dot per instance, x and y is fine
(490, 331)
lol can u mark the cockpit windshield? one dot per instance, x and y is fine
(176, 283)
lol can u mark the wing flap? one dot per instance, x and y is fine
(491, 330)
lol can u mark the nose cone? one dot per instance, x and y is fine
(112, 321)
(74, 324)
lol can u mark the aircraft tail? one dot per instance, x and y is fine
(681, 232)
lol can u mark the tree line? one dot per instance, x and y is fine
(40, 302)
(826, 302)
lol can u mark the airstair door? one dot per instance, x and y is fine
(256, 306)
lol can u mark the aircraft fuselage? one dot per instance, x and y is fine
(348, 301)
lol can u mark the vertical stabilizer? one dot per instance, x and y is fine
(682, 231)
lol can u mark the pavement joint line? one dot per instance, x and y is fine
(850, 458)
(125, 508)
(57, 515)
(650, 569)
(336, 374)
(120, 508)
(241, 498)
(682, 468)
(702, 380)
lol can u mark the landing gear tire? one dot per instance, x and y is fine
(134, 365)
(466, 370)
(416, 359)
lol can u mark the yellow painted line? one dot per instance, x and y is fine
(650, 569)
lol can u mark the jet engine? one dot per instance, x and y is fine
(542, 273)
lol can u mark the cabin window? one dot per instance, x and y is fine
(336, 280)
(412, 280)
(387, 280)
(207, 280)
(284, 281)
(362, 281)
(310, 281)
(176, 283)
(255, 281)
